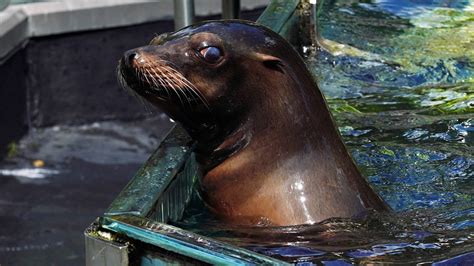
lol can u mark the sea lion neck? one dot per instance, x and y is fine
(287, 125)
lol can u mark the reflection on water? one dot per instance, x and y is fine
(408, 121)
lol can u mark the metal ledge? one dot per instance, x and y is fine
(182, 242)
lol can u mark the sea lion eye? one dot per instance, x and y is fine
(211, 54)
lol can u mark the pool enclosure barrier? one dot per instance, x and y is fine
(135, 229)
(184, 11)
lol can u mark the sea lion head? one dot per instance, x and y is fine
(206, 76)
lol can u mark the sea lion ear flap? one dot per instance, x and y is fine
(270, 61)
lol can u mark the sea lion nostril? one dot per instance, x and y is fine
(129, 58)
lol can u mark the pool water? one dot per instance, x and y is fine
(405, 108)
(408, 118)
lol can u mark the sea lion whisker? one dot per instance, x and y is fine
(120, 78)
(180, 88)
(137, 74)
(154, 83)
(186, 84)
(164, 77)
(158, 82)
(190, 86)
(194, 94)
(146, 105)
(173, 89)
(149, 74)
(179, 77)
(183, 92)
(140, 77)
(146, 76)
(119, 75)
(166, 85)
(199, 95)
(169, 84)
(141, 101)
(125, 86)
(123, 83)
(175, 79)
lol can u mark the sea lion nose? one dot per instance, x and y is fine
(129, 58)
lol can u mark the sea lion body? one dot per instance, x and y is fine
(266, 141)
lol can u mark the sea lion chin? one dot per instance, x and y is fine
(266, 141)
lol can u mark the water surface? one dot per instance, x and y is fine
(404, 106)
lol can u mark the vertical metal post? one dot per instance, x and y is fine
(313, 15)
(230, 9)
(4, 4)
(183, 13)
(100, 252)
(313, 21)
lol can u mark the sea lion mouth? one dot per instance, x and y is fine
(157, 79)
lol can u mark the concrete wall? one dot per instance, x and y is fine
(21, 22)
(13, 109)
(69, 78)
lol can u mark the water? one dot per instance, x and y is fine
(404, 104)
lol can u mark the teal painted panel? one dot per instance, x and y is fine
(4, 4)
(183, 242)
(277, 14)
(141, 194)
(172, 202)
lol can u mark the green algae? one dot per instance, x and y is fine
(12, 150)
(437, 100)
(387, 151)
(341, 106)
(442, 35)
(433, 100)
(437, 38)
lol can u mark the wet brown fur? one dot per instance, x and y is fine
(267, 144)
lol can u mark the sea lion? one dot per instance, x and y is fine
(266, 141)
